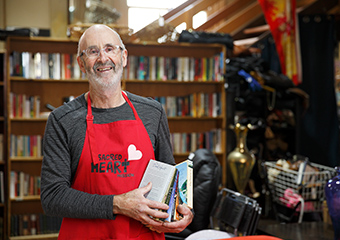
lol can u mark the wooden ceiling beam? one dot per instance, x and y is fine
(240, 20)
(186, 14)
(226, 12)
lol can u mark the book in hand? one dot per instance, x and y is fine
(185, 185)
(165, 179)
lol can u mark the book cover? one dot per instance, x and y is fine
(185, 182)
(168, 183)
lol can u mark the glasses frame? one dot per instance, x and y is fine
(104, 48)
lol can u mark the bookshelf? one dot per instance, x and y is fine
(3, 171)
(35, 89)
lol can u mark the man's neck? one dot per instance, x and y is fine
(106, 98)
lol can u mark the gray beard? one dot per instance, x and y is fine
(118, 70)
(114, 81)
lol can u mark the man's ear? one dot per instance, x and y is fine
(124, 57)
(81, 64)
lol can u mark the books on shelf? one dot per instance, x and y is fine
(165, 180)
(193, 105)
(25, 145)
(174, 68)
(45, 65)
(34, 224)
(23, 106)
(23, 184)
(189, 142)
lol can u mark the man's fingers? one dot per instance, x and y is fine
(147, 188)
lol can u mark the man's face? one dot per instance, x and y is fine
(106, 67)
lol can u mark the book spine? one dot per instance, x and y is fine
(172, 199)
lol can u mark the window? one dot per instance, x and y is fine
(142, 13)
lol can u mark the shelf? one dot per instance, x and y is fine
(26, 198)
(22, 79)
(33, 237)
(28, 119)
(26, 159)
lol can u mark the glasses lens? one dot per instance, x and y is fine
(92, 52)
(109, 50)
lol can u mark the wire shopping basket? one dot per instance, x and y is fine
(302, 191)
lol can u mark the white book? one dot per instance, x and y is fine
(13, 182)
(160, 175)
(31, 66)
(37, 66)
(186, 69)
(45, 71)
(56, 66)
(25, 62)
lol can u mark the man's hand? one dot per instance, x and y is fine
(176, 226)
(134, 205)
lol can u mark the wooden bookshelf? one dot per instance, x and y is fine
(3, 130)
(53, 92)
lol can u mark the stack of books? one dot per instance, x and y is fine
(172, 185)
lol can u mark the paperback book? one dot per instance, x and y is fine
(169, 185)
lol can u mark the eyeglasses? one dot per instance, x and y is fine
(110, 50)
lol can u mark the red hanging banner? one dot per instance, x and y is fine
(281, 18)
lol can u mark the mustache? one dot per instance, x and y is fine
(108, 63)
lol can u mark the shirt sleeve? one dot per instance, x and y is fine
(163, 149)
(57, 196)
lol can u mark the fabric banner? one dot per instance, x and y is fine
(281, 18)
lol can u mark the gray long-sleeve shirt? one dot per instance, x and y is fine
(63, 143)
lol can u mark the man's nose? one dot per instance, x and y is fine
(103, 56)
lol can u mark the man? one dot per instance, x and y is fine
(96, 149)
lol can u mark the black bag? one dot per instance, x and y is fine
(205, 37)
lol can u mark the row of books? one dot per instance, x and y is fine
(174, 68)
(193, 105)
(172, 185)
(34, 224)
(64, 66)
(23, 184)
(189, 142)
(23, 106)
(44, 65)
(25, 145)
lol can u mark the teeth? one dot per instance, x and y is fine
(103, 69)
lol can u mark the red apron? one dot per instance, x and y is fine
(112, 162)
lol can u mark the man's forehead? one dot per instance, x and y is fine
(99, 40)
